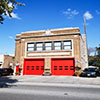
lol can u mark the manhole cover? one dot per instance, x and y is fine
(65, 93)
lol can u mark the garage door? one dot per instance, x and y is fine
(33, 67)
(62, 66)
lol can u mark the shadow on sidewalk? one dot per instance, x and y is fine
(4, 82)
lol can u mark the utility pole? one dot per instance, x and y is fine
(84, 26)
(86, 42)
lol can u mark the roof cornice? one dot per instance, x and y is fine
(38, 36)
(58, 29)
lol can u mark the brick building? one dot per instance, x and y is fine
(6, 61)
(54, 51)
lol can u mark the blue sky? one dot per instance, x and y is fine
(51, 14)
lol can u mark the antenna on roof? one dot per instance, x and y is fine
(84, 26)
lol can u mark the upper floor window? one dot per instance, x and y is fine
(57, 45)
(67, 45)
(48, 46)
(39, 46)
(30, 47)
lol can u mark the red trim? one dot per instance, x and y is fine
(64, 58)
(32, 58)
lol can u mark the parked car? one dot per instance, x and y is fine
(6, 71)
(90, 72)
(11, 71)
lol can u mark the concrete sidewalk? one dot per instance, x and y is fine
(57, 79)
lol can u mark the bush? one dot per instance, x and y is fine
(78, 71)
(17, 73)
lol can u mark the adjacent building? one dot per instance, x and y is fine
(6, 61)
(54, 51)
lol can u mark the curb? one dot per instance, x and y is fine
(55, 84)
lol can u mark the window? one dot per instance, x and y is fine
(48, 46)
(27, 67)
(37, 67)
(67, 45)
(60, 67)
(71, 67)
(55, 67)
(30, 47)
(42, 67)
(66, 67)
(32, 67)
(39, 46)
(57, 45)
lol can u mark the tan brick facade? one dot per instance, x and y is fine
(63, 34)
(6, 61)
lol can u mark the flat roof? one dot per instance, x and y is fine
(58, 29)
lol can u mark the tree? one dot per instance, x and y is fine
(92, 61)
(95, 60)
(91, 57)
(6, 8)
(98, 56)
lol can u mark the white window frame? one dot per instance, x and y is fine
(39, 46)
(30, 46)
(57, 45)
(48, 45)
(67, 45)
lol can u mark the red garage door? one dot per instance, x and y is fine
(33, 67)
(62, 66)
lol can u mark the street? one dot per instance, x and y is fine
(40, 92)
(49, 88)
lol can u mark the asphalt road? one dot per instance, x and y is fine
(35, 92)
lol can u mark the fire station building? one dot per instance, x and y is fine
(54, 51)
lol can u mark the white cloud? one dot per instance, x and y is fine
(88, 15)
(70, 13)
(74, 12)
(12, 55)
(15, 16)
(98, 12)
(69, 9)
(10, 37)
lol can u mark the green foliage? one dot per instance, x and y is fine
(13, 58)
(98, 56)
(78, 71)
(20, 69)
(5, 9)
(92, 60)
(77, 68)
(95, 60)
(17, 73)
